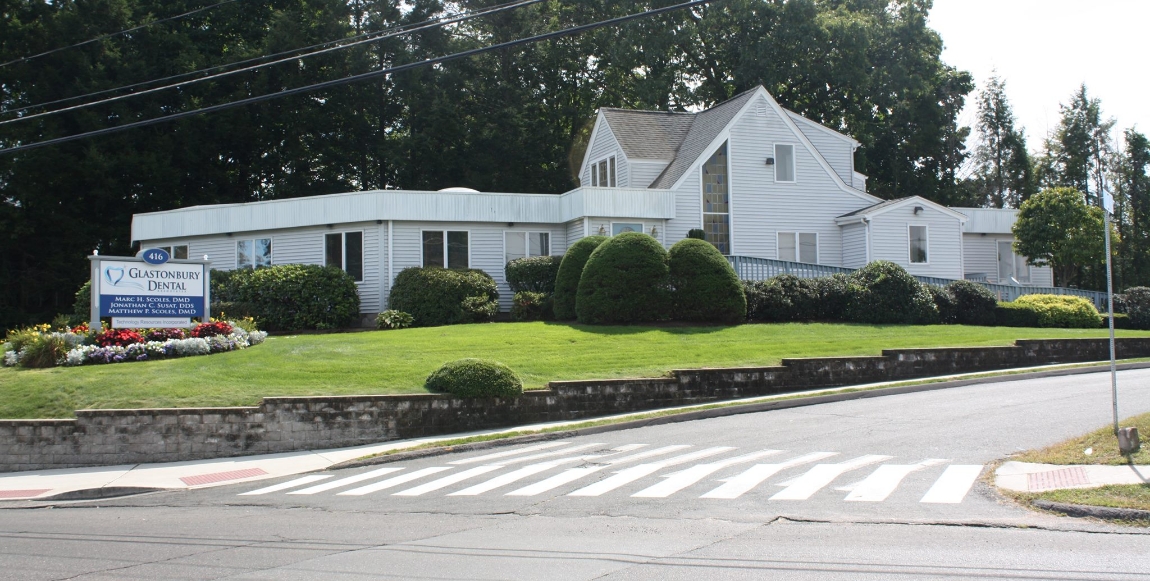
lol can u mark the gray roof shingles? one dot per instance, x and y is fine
(872, 208)
(707, 126)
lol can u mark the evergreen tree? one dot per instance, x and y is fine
(1077, 154)
(1132, 200)
(1002, 163)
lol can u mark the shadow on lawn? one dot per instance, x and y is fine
(672, 328)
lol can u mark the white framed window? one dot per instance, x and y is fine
(177, 251)
(784, 162)
(717, 201)
(446, 248)
(918, 244)
(799, 247)
(603, 173)
(344, 250)
(1011, 264)
(254, 253)
(524, 244)
(618, 228)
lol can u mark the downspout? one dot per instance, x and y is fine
(867, 222)
(390, 259)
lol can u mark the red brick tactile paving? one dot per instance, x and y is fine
(222, 476)
(1055, 479)
(23, 493)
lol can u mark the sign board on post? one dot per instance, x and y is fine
(149, 290)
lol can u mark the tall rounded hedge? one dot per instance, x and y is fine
(567, 279)
(1137, 302)
(705, 286)
(297, 296)
(441, 296)
(626, 280)
(1062, 311)
(975, 303)
(533, 274)
(889, 294)
(475, 378)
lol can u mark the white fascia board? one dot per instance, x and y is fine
(820, 127)
(854, 219)
(599, 119)
(962, 218)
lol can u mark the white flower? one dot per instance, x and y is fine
(11, 358)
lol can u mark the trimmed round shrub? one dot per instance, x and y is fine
(697, 234)
(945, 302)
(441, 296)
(705, 286)
(835, 294)
(1062, 311)
(889, 294)
(475, 378)
(803, 294)
(534, 274)
(626, 280)
(975, 303)
(1136, 301)
(567, 279)
(530, 306)
(1015, 315)
(767, 302)
(295, 296)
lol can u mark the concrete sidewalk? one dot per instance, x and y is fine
(1026, 477)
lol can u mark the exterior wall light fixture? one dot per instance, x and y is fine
(918, 210)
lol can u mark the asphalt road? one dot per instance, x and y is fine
(879, 488)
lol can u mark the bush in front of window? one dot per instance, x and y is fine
(975, 303)
(889, 294)
(1062, 311)
(475, 378)
(534, 274)
(442, 296)
(531, 306)
(288, 297)
(835, 294)
(626, 280)
(767, 302)
(1015, 315)
(1136, 301)
(393, 319)
(567, 279)
(705, 288)
(945, 302)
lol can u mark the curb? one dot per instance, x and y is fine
(98, 493)
(732, 410)
(1100, 512)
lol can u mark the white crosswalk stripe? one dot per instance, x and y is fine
(882, 482)
(679, 480)
(739, 485)
(289, 484)
(346, 481)
(820, 475)
(953, 485)
(531, 470)
(394, 481)
(630, 475)
(504, 454)
(447, 480)
(573, 474)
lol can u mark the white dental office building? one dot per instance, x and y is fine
(761, 181)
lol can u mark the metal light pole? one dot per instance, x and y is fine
(1128, 441)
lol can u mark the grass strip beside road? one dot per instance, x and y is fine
(397, 362)
(1103, 446)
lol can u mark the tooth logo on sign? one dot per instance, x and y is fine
(113, 275)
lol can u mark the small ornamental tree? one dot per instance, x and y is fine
(570, 270)
(705, 286)
(626, 280)
(1055, 227)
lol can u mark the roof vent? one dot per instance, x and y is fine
(467, 190)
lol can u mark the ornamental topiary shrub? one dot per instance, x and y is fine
(697, 234)
(531, 306)
(1136, 301)
(295, 296)
(475, 378)
(889, 294)
(945, 302)
(567, 279)
(440, 296)
(1062, 311)
(1015, 315)
(975, 303)
(535, 274)
(704, 286)
(767, 302)
(626, 280)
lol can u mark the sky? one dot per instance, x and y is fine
(1045, 49)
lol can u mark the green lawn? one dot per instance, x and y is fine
(384, 362)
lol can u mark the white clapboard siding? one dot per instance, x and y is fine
(602, 146)
(643, 172)
(890, 240)
(980, 255)
(854, 245)
(574, 230)
(837, 149)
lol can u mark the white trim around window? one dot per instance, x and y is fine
(796, 246)
(256, 262)
(910, 244)
(603, 172)
(445, 232)
(642, 227)
(535, 243)
(173, 250)
(342, 264)
(790, 163)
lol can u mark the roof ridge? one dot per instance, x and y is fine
(621, 110)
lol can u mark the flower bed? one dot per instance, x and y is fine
(40, 347)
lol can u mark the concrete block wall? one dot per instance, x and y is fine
(284, 424)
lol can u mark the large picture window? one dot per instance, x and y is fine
(256, 253)
(446, 249)
(784, 163)
(1011, 264)
(603, 173)
(524, 244)
(717, 201)
(919, 245)
(799, 247)
(344, 250)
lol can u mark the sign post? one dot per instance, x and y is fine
(149, 290)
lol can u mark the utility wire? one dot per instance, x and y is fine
(487, 10)
(106, 36)
(356, 78)
(434, 23)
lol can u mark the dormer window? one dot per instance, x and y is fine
(603, 173)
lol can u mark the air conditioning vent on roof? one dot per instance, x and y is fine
(457, 189)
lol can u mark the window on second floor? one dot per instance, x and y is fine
(603, 173)
(256, 253)
(344, 250)
(784, 163)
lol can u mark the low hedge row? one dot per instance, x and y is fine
(288, 297)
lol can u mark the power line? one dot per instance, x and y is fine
(416, 27)
(484, 11)
(356, 78)
(106, 36)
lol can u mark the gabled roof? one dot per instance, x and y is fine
(867, 211)
(648, 134)
(888, 205)
(705, 128)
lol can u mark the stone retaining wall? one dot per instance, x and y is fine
(283, 424)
